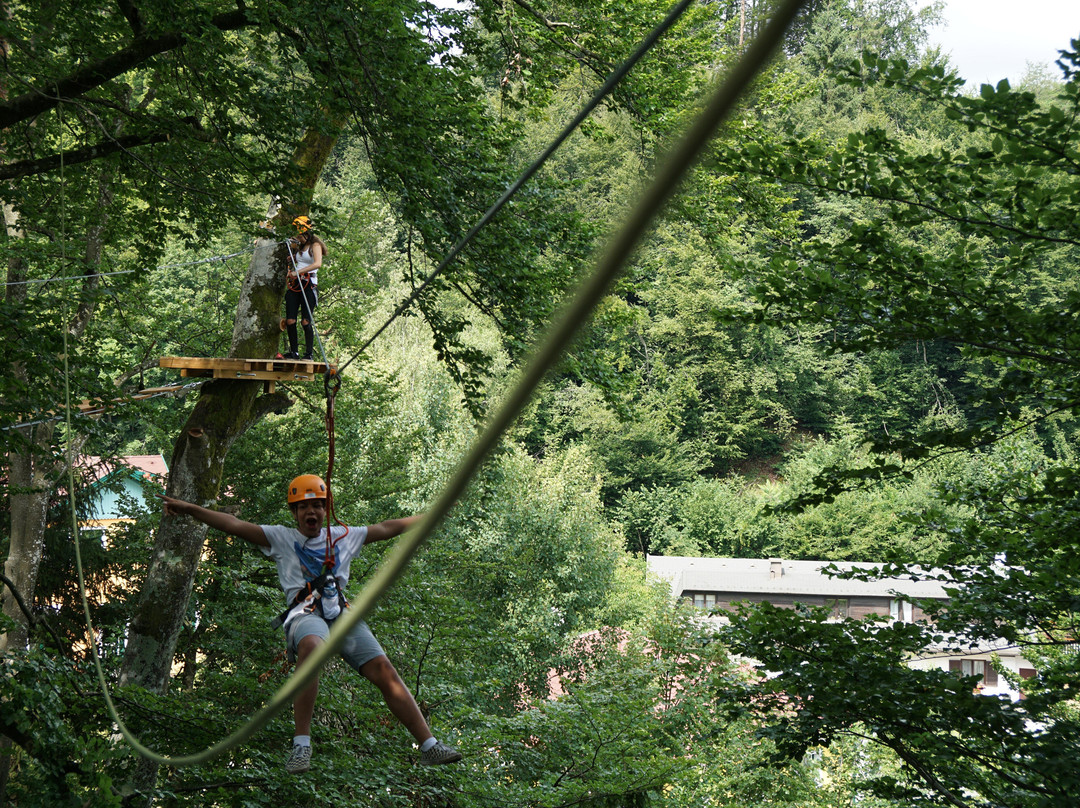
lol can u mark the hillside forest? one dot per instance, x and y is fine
(852, 333)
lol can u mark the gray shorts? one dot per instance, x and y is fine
(360, 646)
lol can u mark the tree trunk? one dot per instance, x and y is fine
(31, 472)
(27, 485)
(224, 411)
(30, 487)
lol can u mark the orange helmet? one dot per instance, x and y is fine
(306, 486)
(302, 224)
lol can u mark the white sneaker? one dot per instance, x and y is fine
(439, 754)
(299, 761)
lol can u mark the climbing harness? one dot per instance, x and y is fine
(314, 589)
(296, 282)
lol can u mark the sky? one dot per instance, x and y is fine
(988, 40)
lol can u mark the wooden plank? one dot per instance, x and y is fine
(186, 362)
(149, 391)
(294, 370)
(86, 406)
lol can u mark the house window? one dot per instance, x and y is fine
(703, 600)
(1025, 673)
(975, 667)
(838, 606)
(902, 610)
(98, 534)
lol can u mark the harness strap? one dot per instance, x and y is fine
(312, 587)
(299, 283)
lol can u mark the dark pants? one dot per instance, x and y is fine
(295, 302)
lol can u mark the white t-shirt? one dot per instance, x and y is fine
(300, 559)
(305, 259)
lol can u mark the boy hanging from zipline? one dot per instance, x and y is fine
(306, 254)
(313, 569)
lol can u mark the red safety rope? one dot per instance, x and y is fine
(331, 385)
(296, 285)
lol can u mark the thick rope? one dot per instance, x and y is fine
(671, 172)
(589, 295)
(70, 278)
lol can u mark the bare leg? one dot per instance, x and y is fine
(304, 703)
(397, 696)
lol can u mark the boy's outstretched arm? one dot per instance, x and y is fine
(390, 528)
(225, 522)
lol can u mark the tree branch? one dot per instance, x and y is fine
(18, 599)
(582, 53)
(26, 168)
(131, 14)
(97, 73)
(924, 772)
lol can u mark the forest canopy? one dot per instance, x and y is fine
(851, 336)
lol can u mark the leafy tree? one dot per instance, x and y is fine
(695, 392)
(700, 396)
(972, 248)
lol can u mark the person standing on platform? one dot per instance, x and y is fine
(306, 254)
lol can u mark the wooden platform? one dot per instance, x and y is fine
(265, 370)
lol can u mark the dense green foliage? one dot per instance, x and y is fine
(852, 337)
